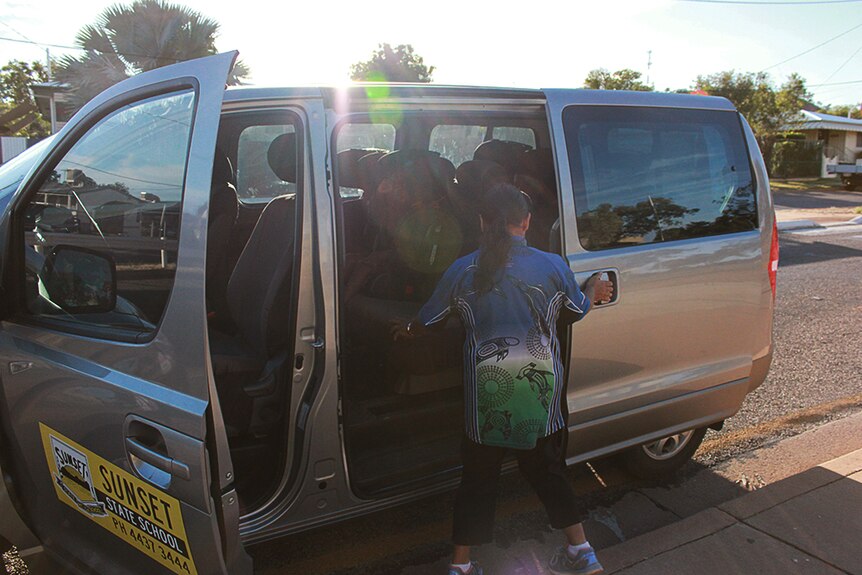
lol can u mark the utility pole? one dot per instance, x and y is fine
(648, 66)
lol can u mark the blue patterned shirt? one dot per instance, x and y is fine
(513, 372)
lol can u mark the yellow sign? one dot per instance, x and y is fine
(133, 510)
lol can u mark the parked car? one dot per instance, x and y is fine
(198, 283)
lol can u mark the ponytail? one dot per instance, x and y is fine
(503, 205)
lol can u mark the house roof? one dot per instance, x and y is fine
(821, 121)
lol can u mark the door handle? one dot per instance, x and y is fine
(149, 447)
(159, 461)
(610, 274)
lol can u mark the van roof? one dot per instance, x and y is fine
(365, 91)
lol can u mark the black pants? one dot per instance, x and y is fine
(544, 468)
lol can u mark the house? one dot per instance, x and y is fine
(52, 99)
(841, 137)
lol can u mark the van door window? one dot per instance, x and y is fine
(644, 175)
(116, 195)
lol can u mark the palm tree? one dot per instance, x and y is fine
(128, 39)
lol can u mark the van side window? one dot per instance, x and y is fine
(645, 175)
(456, 142)
(514, 134)
(111, 206)
(255, 180)
(366, 136)
(355, 140)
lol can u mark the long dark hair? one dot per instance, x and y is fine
(502, 206)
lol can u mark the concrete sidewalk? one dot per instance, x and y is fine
(806, 517)
(808, 523)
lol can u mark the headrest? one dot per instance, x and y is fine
(476, 177)
(423, 166)
(369, 169)
(350, 172)
(398, 159)
(508, 154)
(541, 165)
(222, 169)
(282, 157)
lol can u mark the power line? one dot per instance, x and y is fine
(836, 83)
(772, 2)
(79, 48)
(16, 31)
(812, 49)
(839, 68)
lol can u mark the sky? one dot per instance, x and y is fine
(539, 43)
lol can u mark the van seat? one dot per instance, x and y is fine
(356, 170)
(248, 364)
(536, 176)
(223, 210)
(420, 237)
(508, 154)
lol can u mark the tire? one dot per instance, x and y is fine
(661, 458)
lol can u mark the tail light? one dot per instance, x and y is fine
(773, 258)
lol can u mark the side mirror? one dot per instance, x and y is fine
(79, 280)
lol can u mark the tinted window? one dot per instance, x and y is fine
(455, 142)
(116, 193)
(644, 175)
(512, 134)
(365, 136)
(362, 136)
(255, 180)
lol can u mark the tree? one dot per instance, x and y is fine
(16, 77)
(769, 111)
(625, 79)
(845, 110)
(388, 64)
(127, 40)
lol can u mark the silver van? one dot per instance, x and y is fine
(198, 284)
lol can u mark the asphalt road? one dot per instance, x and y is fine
(816, 377)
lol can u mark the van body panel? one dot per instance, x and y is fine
(80, 391)
(689, 314)
(612, 433)
(762, 326)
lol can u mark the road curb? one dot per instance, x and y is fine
(732, 512)
(797, 225)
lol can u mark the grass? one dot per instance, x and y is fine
(858, 210)
(798, 184)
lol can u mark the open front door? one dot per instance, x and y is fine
(116, 450)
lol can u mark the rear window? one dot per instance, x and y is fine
(366, 136)
(646, 175)
(514, 134)
(456, 142)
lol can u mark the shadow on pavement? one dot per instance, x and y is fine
(811, 199)
(795, 252)
(807, 523)
(413, 539)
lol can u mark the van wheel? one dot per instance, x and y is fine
(661, 458)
